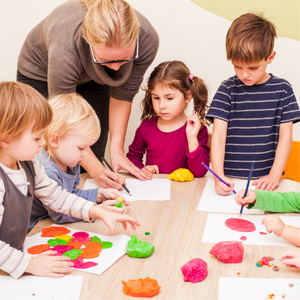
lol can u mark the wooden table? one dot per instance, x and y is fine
(176, 230)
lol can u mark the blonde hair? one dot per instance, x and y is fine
(110, 23)
(20, 106)
(71, 111)
(250, 38)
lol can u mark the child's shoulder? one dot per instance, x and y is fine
(149, 122)
(279, 81)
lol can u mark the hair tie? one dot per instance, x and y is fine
(192, 76)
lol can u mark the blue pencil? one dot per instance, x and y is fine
(246, 191)
(204, 165)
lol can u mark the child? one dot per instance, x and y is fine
(170, 139)
(253, 112)
(274, 202)
(25, 115)
(74, 128)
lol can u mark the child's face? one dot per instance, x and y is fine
(168, 104)
(71, 149)
(253, 73)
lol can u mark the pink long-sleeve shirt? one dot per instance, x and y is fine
(168, 150)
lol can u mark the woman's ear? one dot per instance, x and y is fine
(54, 140)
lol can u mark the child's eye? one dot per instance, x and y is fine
(170, 98)
(253, 68)
(81, 149)
(38, 139)
(155, 98)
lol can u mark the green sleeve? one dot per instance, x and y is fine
(276, 201)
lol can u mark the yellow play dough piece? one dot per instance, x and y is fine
(64, 237)
(181, 175)
(120, 199)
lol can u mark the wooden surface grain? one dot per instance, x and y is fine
(176, 230)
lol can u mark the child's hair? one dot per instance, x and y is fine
(71, 111)
(176, 75)
(250, 38)
(20, 107)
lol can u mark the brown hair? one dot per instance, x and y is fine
(250, 38)
(110, 23)
(20, 106)
(175, 74)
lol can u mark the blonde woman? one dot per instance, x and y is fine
(100, 49)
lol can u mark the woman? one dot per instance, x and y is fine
(101, 49)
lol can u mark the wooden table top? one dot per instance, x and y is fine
(176, 230)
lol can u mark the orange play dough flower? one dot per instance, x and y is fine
(54, 230)
(75, 245)
(38, 249)
(141, 287)
(91, 250)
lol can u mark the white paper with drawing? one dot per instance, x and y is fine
(150, 190)
(216, 231)
(210, 201)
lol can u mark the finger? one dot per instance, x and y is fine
(255, 182)
(287, 255)
(56, 275)
(264, 220)
(273, 187)
(156, 169)
(109, 225)
(49, 252)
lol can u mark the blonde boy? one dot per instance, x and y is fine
(74, 128)
(253, 112)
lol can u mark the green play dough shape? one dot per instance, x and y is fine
(136, 248)
(55, 242)
(95, 239)
(120, 204)
(73, 254)
(105, 245)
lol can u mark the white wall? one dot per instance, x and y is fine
(187, 33)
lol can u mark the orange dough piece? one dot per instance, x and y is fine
(95, 246)
(38, 249)
(141, 287)
(54, 230)
(75, 245)
(91, 250)
(89, 254)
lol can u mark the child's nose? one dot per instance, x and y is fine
(245, 73)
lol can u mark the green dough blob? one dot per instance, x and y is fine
(55, 242)
(120, 204)
(136, 248)
(105, 245)
(73, 254)
(95, 239)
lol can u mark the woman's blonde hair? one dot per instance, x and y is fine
(20, 107)
(72, 112)
(110, 23)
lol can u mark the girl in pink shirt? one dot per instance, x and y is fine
(171, 139)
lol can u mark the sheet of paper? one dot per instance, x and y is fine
(258, 288)
(150, 190)
(210, 201)
(216, 231)
(40, 288)
(107, 256)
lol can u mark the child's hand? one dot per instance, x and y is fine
(151, 169)
(222, 189)
(108, 205)
(109, 217)
(250, 198)
(193, 126)
(291, 259)
(273, 224)
(48, 265)
(266, 183)
(109, 194)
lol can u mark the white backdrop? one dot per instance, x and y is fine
(187, 32)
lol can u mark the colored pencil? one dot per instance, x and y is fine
(203, 164)
(104, 162)
(246, 191)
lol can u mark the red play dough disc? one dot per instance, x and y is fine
(240, 225)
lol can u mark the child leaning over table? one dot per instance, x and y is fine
(25, 116)
(253, 112)
(74, 128)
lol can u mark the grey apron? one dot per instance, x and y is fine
(17, 208)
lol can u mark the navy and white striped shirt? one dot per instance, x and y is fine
(254, 114)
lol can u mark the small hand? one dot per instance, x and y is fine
(273, 224)
(266, 183)
(47, 264)
(222, 189)
(193, 126)
(109, 205)
(250, 198)
(120, 161)
(291, 259)
(151, 169)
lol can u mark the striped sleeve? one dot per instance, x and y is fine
(290, 109)
(57, 198)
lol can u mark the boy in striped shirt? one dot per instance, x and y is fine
(253, 112)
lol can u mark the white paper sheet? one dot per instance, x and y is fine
(107, 256)
(150, 190)
(258, 288)
(216, 231)
(210, 201)
(40, 288)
